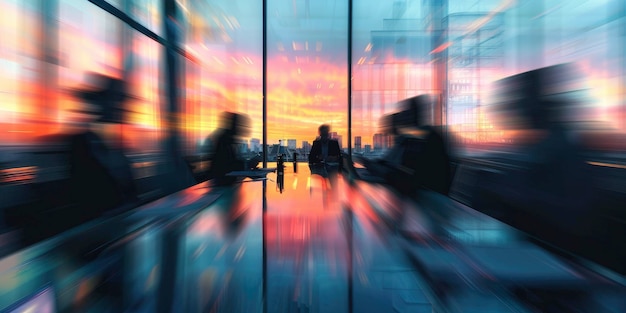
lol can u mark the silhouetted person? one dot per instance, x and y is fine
(325, 155)
(426, 152)
(100, 176)
(383, 167)
(419, 158)
(100, 173)
(550, 193)
(324, 149)
(225, 155)
(554, 181)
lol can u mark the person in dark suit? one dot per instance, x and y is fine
(325, 156)
(324, 149)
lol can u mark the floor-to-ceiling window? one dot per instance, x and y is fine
(452, 49)
(22, 116)
(307, 54)
(225, 40)
(490, 40)
(392, 59)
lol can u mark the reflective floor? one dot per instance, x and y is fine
(314, 245)
(331, 246)
(314, 240)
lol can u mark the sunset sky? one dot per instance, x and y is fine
(307, 57)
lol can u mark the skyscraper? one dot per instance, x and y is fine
(357, 143)
(387, 141)
(255, 145)
(368, 149)
(379, 140)
(306, 147)
(291, 144)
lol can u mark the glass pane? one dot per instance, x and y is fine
(89, 41)
(226, 41)
(475, 54)
(22, 116)
(391, 61)
(307, 72)
(307, 261)
(144, 129)
(222, 255)
(148, 13)
(490, 40)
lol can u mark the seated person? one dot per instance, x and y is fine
(553, 182)
(100, 174)
(325, 153)
(379, 167)
(100, 171)
(419, 158)
(225, 158)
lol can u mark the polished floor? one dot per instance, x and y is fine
(325, 245)
(325, 250)
(304, 243)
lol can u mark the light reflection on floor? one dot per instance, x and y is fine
(309, 230)
(334, 247)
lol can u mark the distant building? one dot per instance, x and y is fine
(379, 141)
(357, 143)
(291, 144)
(387, 141)
(367, 149)
(306, 147)
(277, 149)
(255, 145)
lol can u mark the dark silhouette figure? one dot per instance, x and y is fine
(379, 168)
(100, 175)
(225, 157)
(325, 161)
(324, 149)
(550, 192)
(280, 172)
(426, 152)
(419, 158)
(325, 156)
